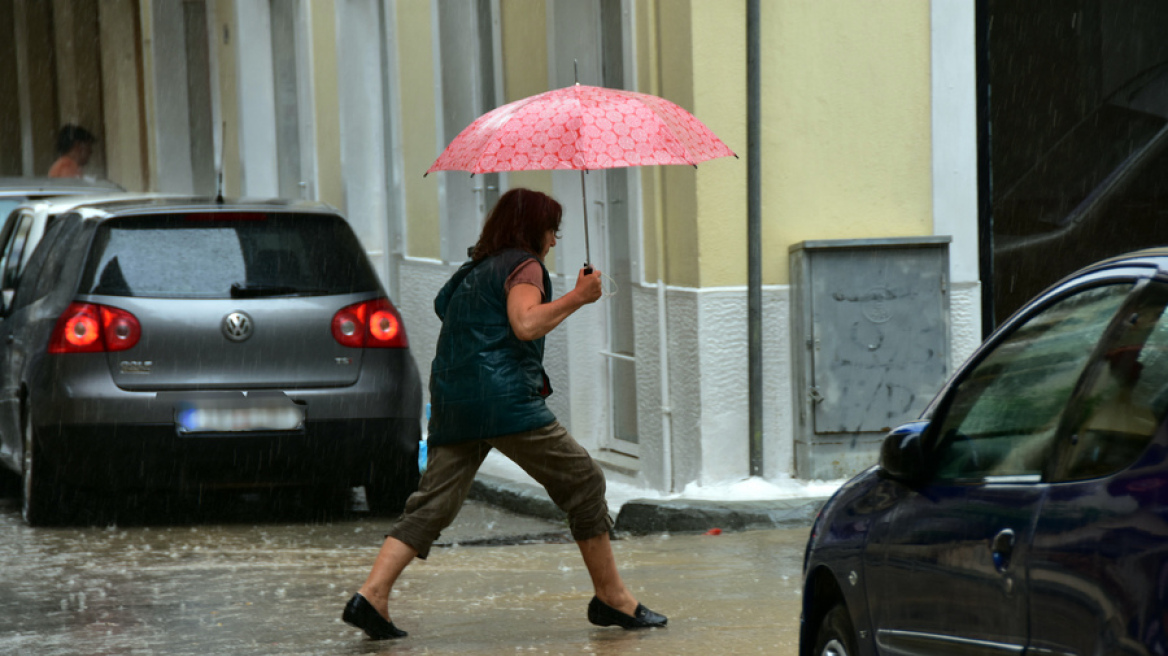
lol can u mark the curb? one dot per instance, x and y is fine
(644, 516)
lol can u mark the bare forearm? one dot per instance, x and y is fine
(541, 318)
(531, 318)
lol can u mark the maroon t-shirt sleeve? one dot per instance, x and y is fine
(527, 273)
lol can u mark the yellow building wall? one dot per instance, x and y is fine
(846, 150)
(124, 110)
(719, 79)
(846, 128)
(523, 40)
(414, 36)
(327, 108)
(226, 30)
(523, 28)
(678, 190)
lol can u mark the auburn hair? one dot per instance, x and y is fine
(521, 219)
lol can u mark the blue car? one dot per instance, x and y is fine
(1026, 511)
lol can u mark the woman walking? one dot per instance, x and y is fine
(488, 391)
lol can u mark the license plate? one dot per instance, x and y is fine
(238, 415)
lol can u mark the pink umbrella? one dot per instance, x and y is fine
(581, 128)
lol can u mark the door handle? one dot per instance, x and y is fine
(1002, 548)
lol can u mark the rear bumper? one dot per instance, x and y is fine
(93, 433)
(77, 389)
(145, 456)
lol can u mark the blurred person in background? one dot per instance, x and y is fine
(74, 147)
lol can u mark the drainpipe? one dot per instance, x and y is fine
(662, 315)
(754, 236)
(663, 350)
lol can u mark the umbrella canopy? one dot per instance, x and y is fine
(581, 128)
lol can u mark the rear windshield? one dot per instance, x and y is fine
(220, 255)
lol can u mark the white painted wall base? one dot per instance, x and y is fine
(707, 340)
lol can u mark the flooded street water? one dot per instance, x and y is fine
(233, 585)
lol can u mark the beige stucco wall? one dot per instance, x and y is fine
(523, 36)
(523, 29)
(326, 104)
(694, 221)
(719, 101)
(414, 33)
(146, 26)
(846, 149)
(124, 138)
(226, 30)
(122, 96)
(678, 194)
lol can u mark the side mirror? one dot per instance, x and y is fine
(901, 456)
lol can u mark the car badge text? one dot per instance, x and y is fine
(135, 366)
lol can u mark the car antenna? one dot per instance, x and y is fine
(219, 172)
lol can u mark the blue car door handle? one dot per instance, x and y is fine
(1002, 548)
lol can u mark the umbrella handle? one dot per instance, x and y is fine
(587, 269)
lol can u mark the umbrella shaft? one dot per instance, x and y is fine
(584, 196)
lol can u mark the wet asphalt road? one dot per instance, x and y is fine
(253, 577)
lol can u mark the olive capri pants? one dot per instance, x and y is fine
(549, 455)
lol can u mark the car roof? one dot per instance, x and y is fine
(21, 186)
(62, 204)
(144, 204)
(1156, 256)
(1149, 258)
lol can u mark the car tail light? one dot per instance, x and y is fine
(371, 324)
(93, 328)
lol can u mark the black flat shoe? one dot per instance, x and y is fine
(361, 614)
(601, 614)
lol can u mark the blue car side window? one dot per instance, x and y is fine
(1114, 418)
(1005, 414)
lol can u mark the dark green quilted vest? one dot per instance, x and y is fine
(485, 381)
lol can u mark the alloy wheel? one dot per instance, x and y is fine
(834, 648)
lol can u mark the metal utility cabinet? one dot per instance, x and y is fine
(870, 342)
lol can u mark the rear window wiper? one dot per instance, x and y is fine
(256, 291)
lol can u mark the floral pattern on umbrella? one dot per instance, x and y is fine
(581, 128)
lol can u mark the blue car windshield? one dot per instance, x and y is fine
(226, 255)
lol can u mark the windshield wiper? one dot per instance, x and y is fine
(257, 291)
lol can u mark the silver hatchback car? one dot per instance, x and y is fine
(190, 344)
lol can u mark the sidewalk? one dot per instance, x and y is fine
(640, 516)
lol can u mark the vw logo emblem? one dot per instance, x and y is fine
(237, 326)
